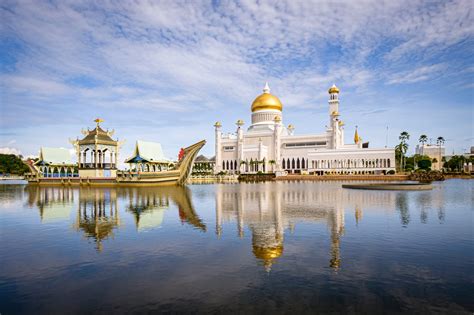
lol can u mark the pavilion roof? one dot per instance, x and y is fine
(201, 158)
(54, 156)
(99, 133)
(148, 151)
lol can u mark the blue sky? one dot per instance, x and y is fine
(165, 71)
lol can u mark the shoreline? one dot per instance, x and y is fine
(344, 177)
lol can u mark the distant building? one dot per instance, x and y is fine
(434, 152)
(55, 162)
(269, 146)
(203, 165)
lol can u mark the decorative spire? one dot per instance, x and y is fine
(356, 137)
(98, 121)
(239, 122)
(266, 89)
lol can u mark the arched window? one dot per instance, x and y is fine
(235, 164)
(293, 164)
(223, 165)
(388, 163)
(284, 163)
(298, 163)
(302, 164)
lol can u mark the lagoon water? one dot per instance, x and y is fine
(276, 247)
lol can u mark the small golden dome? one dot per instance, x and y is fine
(218, 124)
(334, 113)
(277, 119)
(266, 101)
(333, 89)
(341, 123)
(240, 122)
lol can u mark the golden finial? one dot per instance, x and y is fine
(333, 89)
(98, 121)
(356, 137)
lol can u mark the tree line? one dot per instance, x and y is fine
(12, 164)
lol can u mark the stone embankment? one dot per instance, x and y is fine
(256, 177)
(345, 177)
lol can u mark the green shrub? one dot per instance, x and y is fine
(424, 164)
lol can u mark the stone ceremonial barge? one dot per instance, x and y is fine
(97, 163)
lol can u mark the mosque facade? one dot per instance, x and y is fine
(268, 146)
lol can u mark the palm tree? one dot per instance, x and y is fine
(272, 163)
(404, 137)
(423, 139)
(244, 163)
(440, 142)
(400, 150)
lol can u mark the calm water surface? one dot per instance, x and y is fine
(296, 247)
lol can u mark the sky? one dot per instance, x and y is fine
(166, 71)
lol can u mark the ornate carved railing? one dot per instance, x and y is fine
(98, 165)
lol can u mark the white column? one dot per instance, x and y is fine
(218, 148)
(277, 151)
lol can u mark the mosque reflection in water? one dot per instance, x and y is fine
(269, 210)
(266, 210)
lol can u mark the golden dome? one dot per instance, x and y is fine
(267, 254)
(266, 101)
(277, 119)
(333, 89)
(334, 113)
(218, 124)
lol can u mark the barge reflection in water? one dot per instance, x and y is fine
(296, 246)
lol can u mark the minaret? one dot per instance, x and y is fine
(333, 102)
(333, 128)
(218, 165)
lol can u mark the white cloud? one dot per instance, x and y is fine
(9, 150)
(153, 63)
(418, 74)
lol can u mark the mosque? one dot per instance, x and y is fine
(269, 146)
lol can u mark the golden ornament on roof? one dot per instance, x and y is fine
(333, 89)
